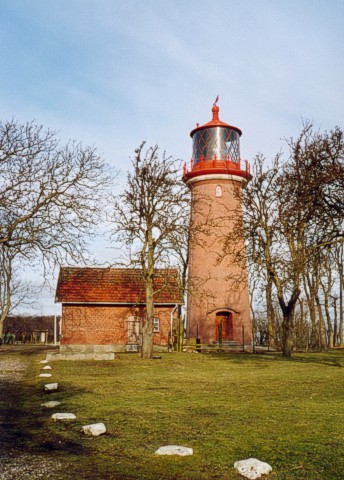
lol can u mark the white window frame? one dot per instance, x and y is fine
(218, 191)
(156, 325)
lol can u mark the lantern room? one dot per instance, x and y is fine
(215, 143)
(216, 149)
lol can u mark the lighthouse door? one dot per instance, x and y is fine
(224, 327)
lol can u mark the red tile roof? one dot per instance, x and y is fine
(115, 285)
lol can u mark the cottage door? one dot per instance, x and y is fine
(134, 331)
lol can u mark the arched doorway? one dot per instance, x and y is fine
(224, 327)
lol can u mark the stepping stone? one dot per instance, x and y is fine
(51, 404)
(174, 450)
(43, 361)
(94, 429)
(51, 386)
(45, 375)
(252, 468)
(47, 367)
(63, 416)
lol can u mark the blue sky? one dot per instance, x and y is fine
(111, 73)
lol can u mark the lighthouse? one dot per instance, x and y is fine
(218, 311)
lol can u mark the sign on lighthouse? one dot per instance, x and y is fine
(218, 301)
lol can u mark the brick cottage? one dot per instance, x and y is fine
(103, 308)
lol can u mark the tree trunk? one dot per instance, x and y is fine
(148, 326)
(5, 302)
(254, 330)
(2, 319)
(148, 323)
(180, 333)
(288, 321)
(326, 283)
(341, 312)
(309, 291)
(287, 334)
(330, 334)
(3, 314)
(270, 315)
(339, 260)
(5, 289)
(321, 325)
(335, 322)
(303, 334)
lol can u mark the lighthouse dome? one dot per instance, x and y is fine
(216, 140)
(216, 149)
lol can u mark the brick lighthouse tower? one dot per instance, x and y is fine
(218, 302)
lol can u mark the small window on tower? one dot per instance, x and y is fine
(218, 191)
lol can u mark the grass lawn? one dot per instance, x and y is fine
(227, 407)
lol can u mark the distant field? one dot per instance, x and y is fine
(289, 413)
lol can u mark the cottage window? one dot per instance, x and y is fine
(156, 325)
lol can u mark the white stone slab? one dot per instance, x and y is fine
(94, 429)
(45, 375)
(43, 361)
(174, 450)
(63, 416)
(47, 367)
(51, 404)
(51, 386)
(252, 468)
(81, 356)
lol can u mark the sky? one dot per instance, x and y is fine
(112, 73)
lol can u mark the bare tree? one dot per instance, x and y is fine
(149, 219)
(339, 262)
(317, 166)
(327, 282)
(50, 196)
(6, 272)
(289, 213)
(14, 291)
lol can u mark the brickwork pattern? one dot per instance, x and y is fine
(215, 285)
(103, 325)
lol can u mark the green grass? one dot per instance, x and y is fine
(289, 413)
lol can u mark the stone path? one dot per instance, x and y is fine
(16, 464)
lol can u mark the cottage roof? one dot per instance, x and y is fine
(115, 285)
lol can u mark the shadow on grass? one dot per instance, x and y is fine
(28, 350)
(331, 359)
(25, 424)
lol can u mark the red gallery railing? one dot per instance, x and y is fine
(242, 166)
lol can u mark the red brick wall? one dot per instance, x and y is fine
(211, 281)
(103, 325)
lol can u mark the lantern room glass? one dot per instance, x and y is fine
(216, 143)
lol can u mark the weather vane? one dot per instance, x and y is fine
(216, 100)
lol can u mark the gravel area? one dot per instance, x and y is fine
(16, 464)
(12, 369)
